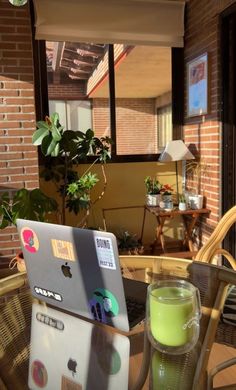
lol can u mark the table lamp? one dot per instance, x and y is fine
(176, 151)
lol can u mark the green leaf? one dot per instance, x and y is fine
(39, 135)
(42, 124)
(56, 133)
(45, 144)
(89, 134)
(55, 118)
(51, 147)
(48, 145)
(56, 151)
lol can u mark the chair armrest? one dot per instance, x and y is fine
(218, 368)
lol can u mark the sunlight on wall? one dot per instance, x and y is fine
(125, 187)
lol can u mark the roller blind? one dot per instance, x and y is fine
(111, 21)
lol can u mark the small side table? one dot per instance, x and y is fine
(190, 217)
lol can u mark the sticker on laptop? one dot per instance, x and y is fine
(29, 240)
(105, 252)
(63, 249)
(39, 373)
(107, 355)
(69, 384)
(48, 293)
(103, 305)
(50, 321)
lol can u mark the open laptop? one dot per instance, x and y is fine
(78, 270)
(69, 353)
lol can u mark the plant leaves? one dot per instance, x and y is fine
(39, 135)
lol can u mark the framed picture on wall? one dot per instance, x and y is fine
(197, 86)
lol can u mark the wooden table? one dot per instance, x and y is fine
(190, 217)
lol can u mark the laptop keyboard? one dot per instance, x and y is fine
(135, 310)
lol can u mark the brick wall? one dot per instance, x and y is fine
(18, 158)
(136, 125)
(73, 91)
(202, 35)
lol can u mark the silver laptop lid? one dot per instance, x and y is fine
(75, 269)
(69, 353)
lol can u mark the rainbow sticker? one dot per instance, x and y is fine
(29, 240)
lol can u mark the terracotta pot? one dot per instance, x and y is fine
(18, 261)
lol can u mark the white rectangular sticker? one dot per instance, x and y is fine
(105, 253)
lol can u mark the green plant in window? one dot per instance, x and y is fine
(64, 150)
(182, 198)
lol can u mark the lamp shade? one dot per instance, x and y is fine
(176, 151)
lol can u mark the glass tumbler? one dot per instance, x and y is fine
(173, 314)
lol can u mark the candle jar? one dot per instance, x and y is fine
(173, 315)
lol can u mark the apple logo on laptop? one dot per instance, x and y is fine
(66, 270)
(72, 364)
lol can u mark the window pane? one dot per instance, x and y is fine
(74, 115)
(142, 80)
(164, 125)
(59, 106)
(78, 85)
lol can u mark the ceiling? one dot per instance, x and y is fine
(145, 72)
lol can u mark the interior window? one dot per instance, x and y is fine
(81, 91)
(74, 114)
(164, 125)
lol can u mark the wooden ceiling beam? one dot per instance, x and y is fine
(90, 50)
(70, 64)
(77, 76)
(58, 50)
(75, 58)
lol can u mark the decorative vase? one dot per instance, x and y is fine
(153, 199)
(167, 198)
(168, 205)
(196, 201)
(182, 206)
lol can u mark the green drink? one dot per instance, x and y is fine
(171, 311)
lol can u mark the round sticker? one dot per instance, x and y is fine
(29, 240)
(110, 360)
(108, 300)
(39, 373)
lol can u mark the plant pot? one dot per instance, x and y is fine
(18, 261)
(167, 198)
(182, 206)
(153, 200)
(195, 201)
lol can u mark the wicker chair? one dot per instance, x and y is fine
(15, 321)
(226, 333)
(212, 247)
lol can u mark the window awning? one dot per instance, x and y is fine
(137, 22)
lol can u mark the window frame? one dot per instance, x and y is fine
(42, 105)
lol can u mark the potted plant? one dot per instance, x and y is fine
(182, 202)
(153, 188)
(195, 171)
(63, 151)
(128, 244)
(25, 204)
(166, 193)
